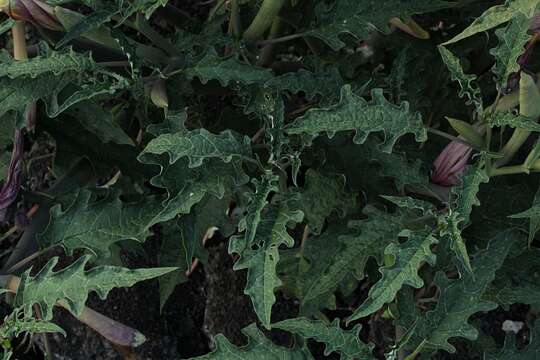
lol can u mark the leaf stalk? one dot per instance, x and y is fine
(263, 20)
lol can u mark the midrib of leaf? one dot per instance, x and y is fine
(354, 113)
(467, 82)
(461, 298)
(257, 348)
(199, 145)
(226, 70)
(512, 40)
(496, 16)
(73, 284)
(409, 257)
(347, 343)
(466, 194)
(261, 261)
(360, 18)
(374, 234)
(54, 62)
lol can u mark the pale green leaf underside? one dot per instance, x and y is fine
(461, 298)
(347, 343)
(409, 257)
(360, 18)
(496, 16)
(258, 348)
(467, 84)
(322, 194)
(261, 256)
(200, 144)
(55, 62)
(227, 70)
(512, 40)
(515, 121)
(73, 284)
(355, 113)
(96, 225)
(16, 324)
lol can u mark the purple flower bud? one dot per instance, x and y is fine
(523, 59)
(450, 163)
(535, 24)
(12, 183)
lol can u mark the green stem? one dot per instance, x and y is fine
(417, 351)
(141, 25)
(263, 20)
(448, 136)
(509, 170)
(280, 39)
(267, 52)
(512, 146)
(235, 26)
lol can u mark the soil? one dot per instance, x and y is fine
(210, 303)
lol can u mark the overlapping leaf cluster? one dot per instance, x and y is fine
(311, 160)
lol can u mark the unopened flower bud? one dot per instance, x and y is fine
(158, 94)
(34, 11)
(450, 163)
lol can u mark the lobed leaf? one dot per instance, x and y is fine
(200, 144)
(227, 70)
(460, 299)
(354, 113)
(408, 258)
(260, 256)
(512, 40)
(466, 82)
(327, 268)
(510, 350)
(73, 284)
(321, 195)
(258, 348)
(360, 18)
(53, 62)
(347, 343)
(497, 15)
(87, 223)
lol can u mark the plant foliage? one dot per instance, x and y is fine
(301, 147)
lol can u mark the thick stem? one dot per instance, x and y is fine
(528, 95)
(263, 20)
(512, 146)
(20, 52)
(267, 52)
(508, 170)
(507, 102)
(278, 40)
(235, 26)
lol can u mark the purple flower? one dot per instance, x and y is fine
(12, 183)
(450, 163)
(34, 11)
